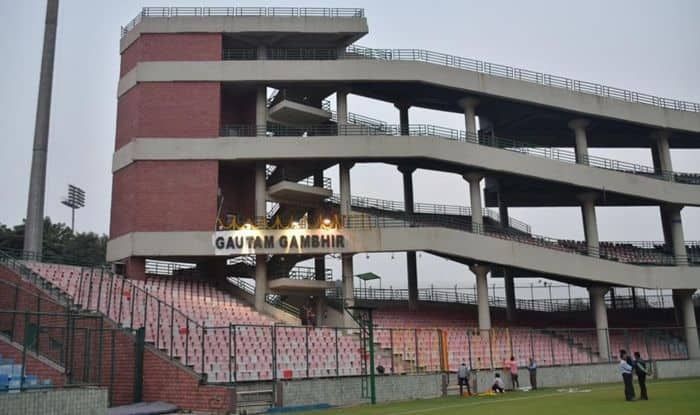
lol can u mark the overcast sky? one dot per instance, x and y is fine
(648, 46)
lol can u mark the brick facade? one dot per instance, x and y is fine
(161, 196)
(172, 47)
(169, 109)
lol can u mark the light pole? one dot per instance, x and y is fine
(74, 200)
(34, 227)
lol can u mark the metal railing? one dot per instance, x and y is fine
(469, 297)
(426, 208)
(239, 54)
(503, 71)
(562, 155)
(272, 299)
(244, 352)
(243, 11)
(635, 256)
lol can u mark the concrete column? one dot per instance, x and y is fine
(348, 286)
(590, 223)
(482, 294)
(671, 215)
(469, 106)
(345, 195)
(510, 295)
(474, 180)
(581, 144)
(262, 52)
(34, 228)
(341, 105)
(403, 117)
(260, 281)
(261, 110)
(260, 220)
(411, 264)
(319, 261)
(597, 297)
(685, 298)
(661, 153)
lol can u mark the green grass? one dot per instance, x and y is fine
(677, 397)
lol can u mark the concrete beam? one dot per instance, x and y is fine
(380, 148)
(470, 83)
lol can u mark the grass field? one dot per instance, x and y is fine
(676, 397)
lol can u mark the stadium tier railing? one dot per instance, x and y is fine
(488, 68)
(353, 13)
(426, 208)
(251, 352)
(548, 305)
(36, 325)
(427, 130)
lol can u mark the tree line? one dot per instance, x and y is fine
(60, 244)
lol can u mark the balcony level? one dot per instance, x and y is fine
(278, 26)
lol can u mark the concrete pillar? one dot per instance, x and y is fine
(261, 110)
(341, 105)
(260, 281)
(474, 180)
(348, 286)
(597, 297)
(671, 215)
(581, 141)
(260, 221)
(34, 228)
(262, 52)
(403, 117)
(661, 153)
(685, 298)
(510, 295)
(469, 106)
(590, 223)
(345, 195)
(482, 295)
(411, 264)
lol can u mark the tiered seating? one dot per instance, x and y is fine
(466, 344)
(11, 378)
(208, 328)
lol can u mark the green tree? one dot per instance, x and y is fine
(60, 243)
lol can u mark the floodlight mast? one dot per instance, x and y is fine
(34, 227)
(74, 200)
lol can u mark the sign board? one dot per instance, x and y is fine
(276, 241)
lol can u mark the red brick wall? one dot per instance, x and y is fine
(237, 183)
(152, 196)
(172, 47)
(169, 109)
(35, 366)
(167, 381)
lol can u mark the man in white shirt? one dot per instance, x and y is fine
(626, 371)
(463, 379)
(498, 385)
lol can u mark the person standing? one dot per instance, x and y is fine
(640, 367)
(626, 371)
(532, 368)
(463, 379)
(513, 366)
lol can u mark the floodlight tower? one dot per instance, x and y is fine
(34, 228)
(74, 200)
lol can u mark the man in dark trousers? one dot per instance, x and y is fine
(641, 369)
(463, 379)
(532, 368)
(626, 371)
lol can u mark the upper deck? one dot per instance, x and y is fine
(315, 26)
